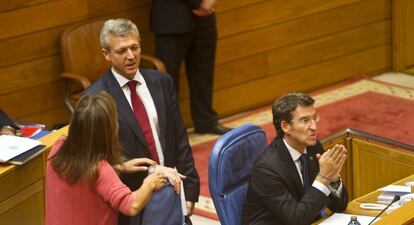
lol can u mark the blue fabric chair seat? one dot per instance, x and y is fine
(231, 161)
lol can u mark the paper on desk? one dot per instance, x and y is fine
(342, 218)
(11, 146)
(396, 188)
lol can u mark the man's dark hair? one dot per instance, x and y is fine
(285, 105)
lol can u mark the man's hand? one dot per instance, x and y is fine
(190, 208)
(330, 164)
(6, 130)
(206, 8)
(172, 175)
(135, 165)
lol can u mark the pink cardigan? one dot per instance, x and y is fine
(69, 204)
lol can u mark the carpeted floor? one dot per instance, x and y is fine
(364, 104)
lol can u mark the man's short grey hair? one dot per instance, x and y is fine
(117, 27)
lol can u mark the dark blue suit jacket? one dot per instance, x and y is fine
(276, 196)
(5, 120)
(173, 135)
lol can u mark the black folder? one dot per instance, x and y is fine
(26, 156)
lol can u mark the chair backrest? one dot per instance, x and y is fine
(81, 50)
(231, 161)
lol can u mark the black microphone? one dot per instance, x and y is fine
(396, 198)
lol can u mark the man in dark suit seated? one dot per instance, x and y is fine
(150, 123)
(294, 180)
(7, 126)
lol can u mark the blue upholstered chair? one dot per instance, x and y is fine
(231, 161)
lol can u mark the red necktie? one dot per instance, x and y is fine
(142, 119)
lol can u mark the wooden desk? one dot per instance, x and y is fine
(22, 188)
(402, 216)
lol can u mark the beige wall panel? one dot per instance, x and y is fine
(30, 46)
(26, 75)
(262, 91)
(35, 99)
(105, 7)
(272, 12)
(328, 47)
(8, 5)
(302, 29)
(376, 166)
(42, 16)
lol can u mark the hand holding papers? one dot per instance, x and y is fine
(12, 146)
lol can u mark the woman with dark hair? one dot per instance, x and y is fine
(82, 184)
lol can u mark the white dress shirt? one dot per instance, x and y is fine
(146, 98)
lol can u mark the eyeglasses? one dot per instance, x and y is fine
(307, 121)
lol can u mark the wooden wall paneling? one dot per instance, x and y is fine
(226, 5)
(30, 46)
(403, 34)
(49, 117)
(28, 212)
(272, 12)
(328, 47)
(42, 16)
(240, 71)
(302, 29)
(232, 73)
(376, 165)
(140, 16)
(97, 8)
(410, 35)
(9, 5)
(35, 99)
(305, 79)
(20, 179)
(33, 73)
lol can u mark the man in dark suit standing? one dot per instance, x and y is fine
(186, 30)
(7, 126)
(150, 123)
(295, 179)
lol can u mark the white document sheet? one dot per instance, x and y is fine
(12, 146)
(342, 218)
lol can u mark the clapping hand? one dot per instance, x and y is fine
(330, 163)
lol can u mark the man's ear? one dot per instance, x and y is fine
(285, 127)
(105, 53)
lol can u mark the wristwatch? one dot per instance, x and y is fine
(335, 185)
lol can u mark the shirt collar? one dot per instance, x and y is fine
(293, 152)
(123, 81)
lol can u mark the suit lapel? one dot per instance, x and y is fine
(124, 109)
(313, 164)
(290, 166)
(155, 90)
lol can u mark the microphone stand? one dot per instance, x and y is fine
(396, 198)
